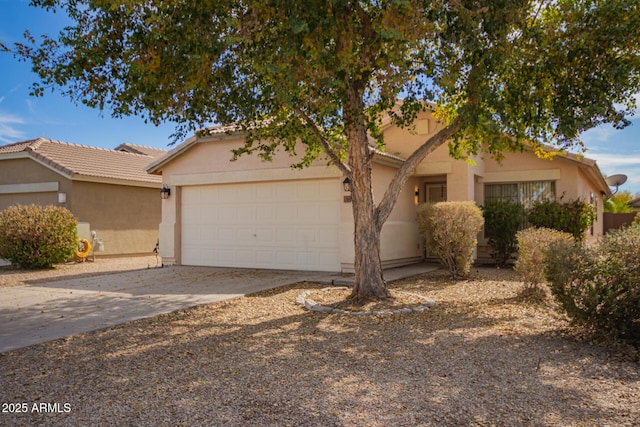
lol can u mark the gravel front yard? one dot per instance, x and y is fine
(10, 276)
(483, 356)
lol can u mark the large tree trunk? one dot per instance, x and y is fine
(369, 218)
(369, 282)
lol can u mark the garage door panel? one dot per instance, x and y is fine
(245, 236)
(265, 194)
(265, 235)
(284, 225)
(266, 213)
(328, 236)
(245, 194)
(286, 214)
(224, 235)
(224, 214)
(286, 235)
(246, 214)
(286, 191)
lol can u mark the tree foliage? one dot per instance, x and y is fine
(326, 73)
(619, 202)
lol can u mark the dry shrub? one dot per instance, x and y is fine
(451, 232)
(532, 244)
(599, 287)
(37, 236)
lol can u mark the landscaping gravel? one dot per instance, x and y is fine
(484, 355)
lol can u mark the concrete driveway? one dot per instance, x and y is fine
(46, 311)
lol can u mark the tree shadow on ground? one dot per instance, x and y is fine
(264, 361)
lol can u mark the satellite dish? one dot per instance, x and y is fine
(616, 181)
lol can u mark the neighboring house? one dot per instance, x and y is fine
(251, 213)
(634, 204)
(108, 191)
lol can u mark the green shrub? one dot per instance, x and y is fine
(532, 244)
(37, 236)
(573, 217)
(451, 230)
(599, 287)
(502, 220)
(636, 219)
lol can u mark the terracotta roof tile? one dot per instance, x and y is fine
(141, 149)
(73, 159)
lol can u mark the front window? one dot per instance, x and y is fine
(525, 193)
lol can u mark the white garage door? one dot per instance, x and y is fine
(280, 225)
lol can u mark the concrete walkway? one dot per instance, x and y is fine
(38, 313)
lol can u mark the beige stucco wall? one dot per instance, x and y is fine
(399, 241)
(126, 218)
(20, 180)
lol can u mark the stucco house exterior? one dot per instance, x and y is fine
(108, 191)
(256, 214)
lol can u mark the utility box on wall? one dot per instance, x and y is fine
(84, 230)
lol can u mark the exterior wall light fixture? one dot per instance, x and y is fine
(346, 185)
(165, 192)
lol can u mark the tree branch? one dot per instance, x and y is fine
(333, 156)
(402, 175)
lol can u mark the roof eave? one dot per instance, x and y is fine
(116, 181)
(156, 166)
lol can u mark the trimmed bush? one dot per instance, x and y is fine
(573, 217)
(37, 236)
(451, 230)
(599, 287)
(532, 244)
(502, 220)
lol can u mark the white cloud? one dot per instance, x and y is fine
(8, 130)
(613, 160)
(627, 164)
(31, 106)
(602, 133)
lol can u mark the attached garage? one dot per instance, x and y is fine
(291, 225)
(219, 211)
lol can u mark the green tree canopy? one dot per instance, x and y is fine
(619, 202)
(498, 74)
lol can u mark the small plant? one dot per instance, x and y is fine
(502, 220)
(599, 287)
(636, 219)
(573, 217)
(37, 236)
(532, 244)
(451, 230)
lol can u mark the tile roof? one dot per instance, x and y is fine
(72, 160)
(141, 149)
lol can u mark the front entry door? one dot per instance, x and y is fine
(436, 192)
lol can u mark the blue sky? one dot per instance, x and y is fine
(53, 116)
